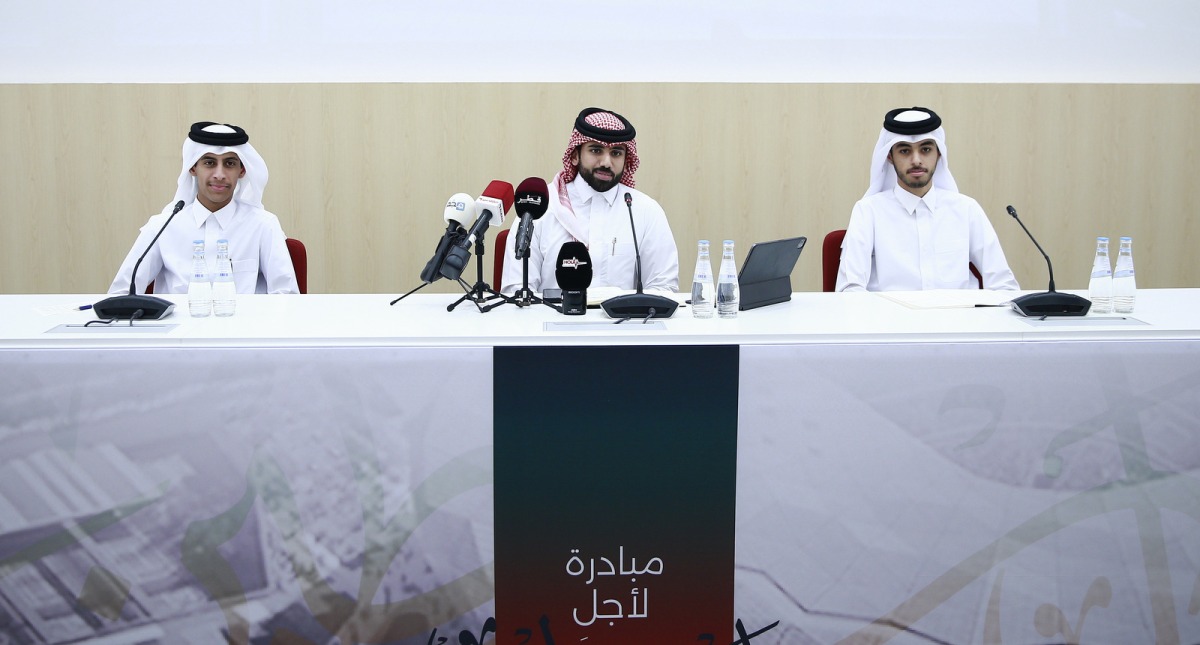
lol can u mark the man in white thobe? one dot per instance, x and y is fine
(221, 185)
(913, 230)
(588, 204)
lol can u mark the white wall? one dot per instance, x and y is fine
(941, 41)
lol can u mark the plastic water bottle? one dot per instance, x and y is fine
(703, 291)
(728, 294)
(224, 291)
(199, 288)
(1100, 288)
(1124, 286)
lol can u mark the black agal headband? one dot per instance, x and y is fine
(910, 121)
(600, 134)
(200, 135)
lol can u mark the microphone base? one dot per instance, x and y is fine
(1051, 303)
(638, 305)
(125, 307)
(574, 302)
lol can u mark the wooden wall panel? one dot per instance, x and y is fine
(360, 171)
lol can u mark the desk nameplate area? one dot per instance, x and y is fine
(121, 327)
(628, 325)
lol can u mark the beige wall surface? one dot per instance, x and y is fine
(360, 172)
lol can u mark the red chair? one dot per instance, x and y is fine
(501, 246)
(299, 264)
(831, 260)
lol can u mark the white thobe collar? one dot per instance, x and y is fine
(581, 193)
(224, 216)
(911, 202)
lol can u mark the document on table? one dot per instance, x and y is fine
(950, 298)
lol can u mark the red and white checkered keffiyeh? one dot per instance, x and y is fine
(603, 121)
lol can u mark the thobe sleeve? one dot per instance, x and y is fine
(275, 262)
(150, 267)
(854, 271)
(987, 255)
(660, 257)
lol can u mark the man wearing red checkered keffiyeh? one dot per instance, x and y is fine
(589, 206)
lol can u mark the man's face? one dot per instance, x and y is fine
(216, 178)
(600, 166)
(915, 164)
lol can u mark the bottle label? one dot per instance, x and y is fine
(1123, 273)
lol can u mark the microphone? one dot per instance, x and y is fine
(459, 213)
(533, 198)
(133, 305)
(489, 208)
(638, 305)
(1048, 303)
(573, 271)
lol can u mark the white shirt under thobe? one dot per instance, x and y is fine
(601, 221)
(897, 241)
(257, 245)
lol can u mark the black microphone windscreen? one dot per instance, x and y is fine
(573, 269)
(532, 197)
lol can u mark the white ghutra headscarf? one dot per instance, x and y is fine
(910, 125)
(220, 138)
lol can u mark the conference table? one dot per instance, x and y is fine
(851, 468)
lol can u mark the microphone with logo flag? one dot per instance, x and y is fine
(573, 271)
(532, 199)
(490, 208)
(458, 214)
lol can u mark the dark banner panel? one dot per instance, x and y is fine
(614, 493)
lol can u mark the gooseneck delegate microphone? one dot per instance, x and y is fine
(489, 209)
(573, 271)
(1048, 303)
(532, 200)
(459, 214)
(134, 305)
(638, 305)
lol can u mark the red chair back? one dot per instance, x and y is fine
(498, 259)
(299, 262)
(831, 258)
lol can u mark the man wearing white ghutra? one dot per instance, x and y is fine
(221, 185)
(913, 230)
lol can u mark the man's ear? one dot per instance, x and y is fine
(242, 173)
(889, 158)
(575, 156)
(192, 170)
